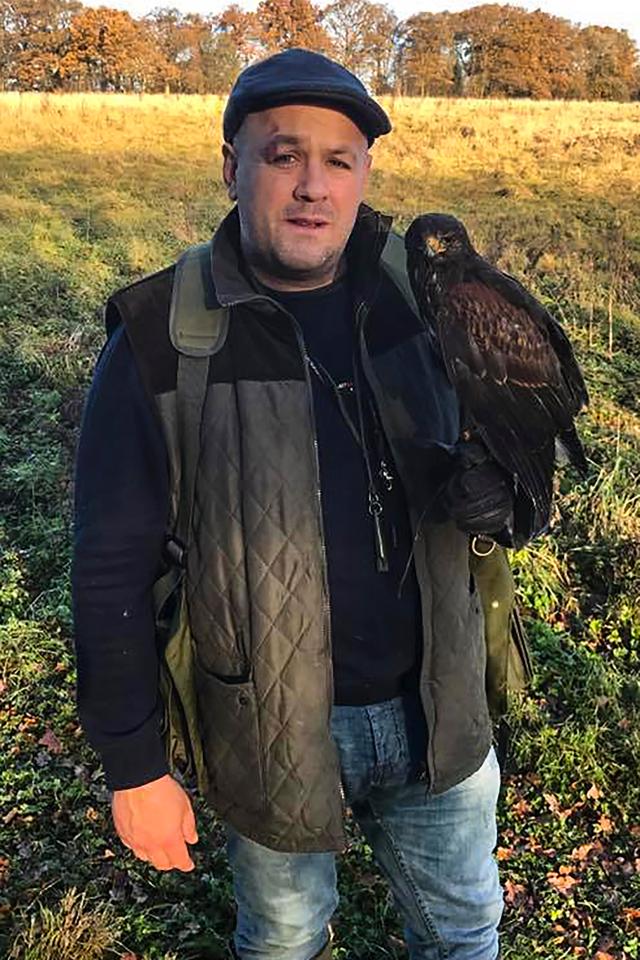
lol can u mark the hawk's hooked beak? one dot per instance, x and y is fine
(434, 245)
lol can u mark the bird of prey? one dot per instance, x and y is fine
(510, 362)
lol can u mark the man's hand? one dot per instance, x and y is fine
(479, 496)
(156, 821)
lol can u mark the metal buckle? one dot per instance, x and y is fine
(479, 539)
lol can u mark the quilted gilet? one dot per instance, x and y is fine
(256, 588)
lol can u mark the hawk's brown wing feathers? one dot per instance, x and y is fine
(500, 360)
(514, 293)
(503, 337)
(510, 361)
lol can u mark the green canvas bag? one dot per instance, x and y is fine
(509, 668)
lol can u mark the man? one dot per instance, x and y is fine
(330, 668)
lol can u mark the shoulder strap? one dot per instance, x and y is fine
(198, 328)
(198, 325)
(394, 261)
(191, 389)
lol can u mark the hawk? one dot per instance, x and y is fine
(509, 360)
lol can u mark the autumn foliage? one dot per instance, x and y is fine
(492, 50)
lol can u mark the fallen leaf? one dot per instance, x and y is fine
(582, 852)
(50, 741)
(594, 793)
(8, 817)
(605, 824)
(520, 808)
(513, 892)
(562, 882)
(504, 853)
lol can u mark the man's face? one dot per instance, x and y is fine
(298, 173)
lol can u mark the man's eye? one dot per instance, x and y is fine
(284, 159)
(339, 163)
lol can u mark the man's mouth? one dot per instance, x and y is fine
(307, 223)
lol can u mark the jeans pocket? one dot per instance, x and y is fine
(485, 780)
(231, 738)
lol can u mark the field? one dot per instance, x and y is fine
(94, 192)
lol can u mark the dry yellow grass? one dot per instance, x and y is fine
(522, 144)
(76, 930)
(515, 170)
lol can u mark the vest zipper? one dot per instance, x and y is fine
(325, 577)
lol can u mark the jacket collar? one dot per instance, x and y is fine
(232, 281)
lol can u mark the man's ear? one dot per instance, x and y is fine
(367, 166)
(229, 168)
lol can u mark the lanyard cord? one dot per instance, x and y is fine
(325, 377)
(358, 433)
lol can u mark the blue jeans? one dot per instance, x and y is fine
(435, 851)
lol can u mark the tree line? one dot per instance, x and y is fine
(487, 51)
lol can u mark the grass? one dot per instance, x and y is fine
(72, 931)
(95, 191)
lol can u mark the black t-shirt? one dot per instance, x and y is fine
(375, 632)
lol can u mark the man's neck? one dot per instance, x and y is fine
(300, 286)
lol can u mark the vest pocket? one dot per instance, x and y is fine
(231, 739)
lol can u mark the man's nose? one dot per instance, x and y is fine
(312, 182)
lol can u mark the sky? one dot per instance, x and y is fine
(622, 14)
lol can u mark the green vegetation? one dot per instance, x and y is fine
(96, 191)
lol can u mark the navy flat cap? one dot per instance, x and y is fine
(302, 76)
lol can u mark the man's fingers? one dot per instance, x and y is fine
(175, 856)
(161, 860)
(179, 858)
(189, 830)
(141, 853)
(169, 858)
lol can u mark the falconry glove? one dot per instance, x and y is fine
(479, 496)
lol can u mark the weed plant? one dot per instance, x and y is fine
(96, 191)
